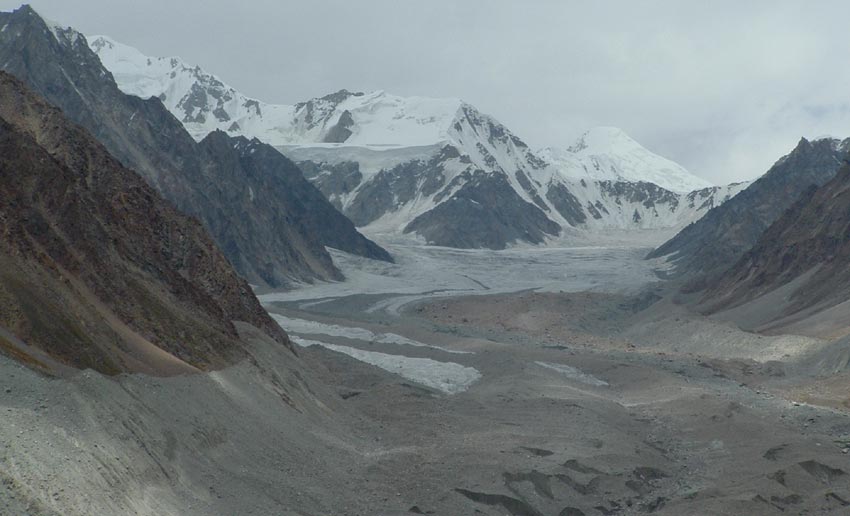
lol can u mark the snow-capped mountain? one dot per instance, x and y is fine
(435, 168)
(609, 154)
(427, 189)
(204, 103)
(201, 101)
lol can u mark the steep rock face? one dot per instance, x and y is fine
(58, 64)
(809, 243)
(97, 269)
(725, 233)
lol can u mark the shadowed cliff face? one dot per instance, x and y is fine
(813, 236)
(264, 240)
(96, 269)
(306, 220)
(709, 246)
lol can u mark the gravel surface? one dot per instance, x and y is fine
(631, 414)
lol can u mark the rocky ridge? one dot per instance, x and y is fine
(709, 246)
(804, 255)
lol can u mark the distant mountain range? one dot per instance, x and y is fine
(436, 169)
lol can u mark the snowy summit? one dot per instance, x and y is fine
(204, 103)
(609, 154)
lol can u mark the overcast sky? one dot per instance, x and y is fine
(724, 88)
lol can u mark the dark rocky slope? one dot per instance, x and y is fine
(271, 176)
(96, 269)
(709, 246)
(808, 245)
(484, 213)
(260, 238)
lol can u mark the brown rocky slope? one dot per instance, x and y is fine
(806, 254)
(96, 269)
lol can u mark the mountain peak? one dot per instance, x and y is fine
(335, 98)
(608, 153)
(63, 34)
(24, 8)
(602, 139)
(122, 58)
(341, 95)
(100, 42)
(203, 103)
(835, 142)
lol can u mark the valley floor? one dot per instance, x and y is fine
(557, 381)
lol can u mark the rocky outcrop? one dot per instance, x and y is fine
(143, 135)
(719, 239)
(96, 269)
